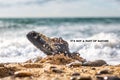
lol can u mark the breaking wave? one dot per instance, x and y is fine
(14, 46)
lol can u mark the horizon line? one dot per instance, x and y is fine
(61, 17)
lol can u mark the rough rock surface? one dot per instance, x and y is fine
(48, 45)
(52, 46)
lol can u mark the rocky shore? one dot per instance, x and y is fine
(57, 67)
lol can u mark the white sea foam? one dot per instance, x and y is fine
(108, 51)
(17, 50)
(14, 47)
(20, 49)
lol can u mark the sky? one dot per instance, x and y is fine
(59, 8)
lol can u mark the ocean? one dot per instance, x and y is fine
(14, 46)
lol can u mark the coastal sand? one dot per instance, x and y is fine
(49, 69)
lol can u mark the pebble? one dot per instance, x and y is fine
(103, 72)
(51, 67)
(76, 74)
(80, 78)
(75, 64)
(85, 78)
(94, 63)
(22, 74)
(56, 78)
(93, 68)
(55, 70)
(108, 78)
(3, 72)
(1, 65)
(75, 78)
(113, 78)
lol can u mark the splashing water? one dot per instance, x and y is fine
(14, 46)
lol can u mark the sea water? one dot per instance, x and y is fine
(84, 35)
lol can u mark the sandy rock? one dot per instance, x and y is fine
(60, 59)
(52, 46)
(49, 46)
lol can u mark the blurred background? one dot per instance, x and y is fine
(69, 19)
